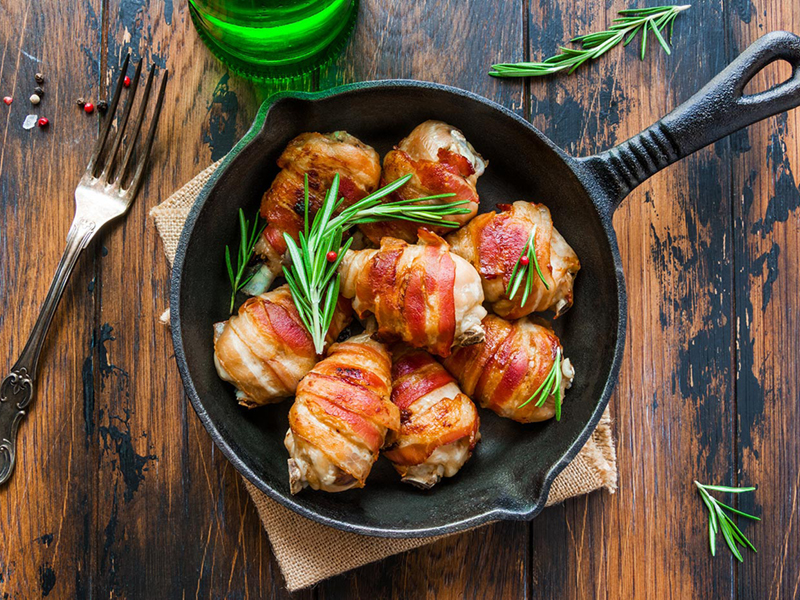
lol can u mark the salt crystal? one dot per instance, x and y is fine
(30, 121)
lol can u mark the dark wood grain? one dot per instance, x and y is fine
(119, 491)
(674, 397)
(44, 548)
(766, 199)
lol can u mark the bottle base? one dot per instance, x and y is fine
(286, 71)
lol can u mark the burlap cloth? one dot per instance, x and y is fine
(308, 552)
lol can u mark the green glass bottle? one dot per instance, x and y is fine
(274, 39)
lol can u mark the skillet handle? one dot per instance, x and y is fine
(717, 110)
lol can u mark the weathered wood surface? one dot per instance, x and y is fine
(120, 492)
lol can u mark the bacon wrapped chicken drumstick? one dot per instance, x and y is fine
(519, 371)
(421, 294)
(321, 156)
(441, 161)
(341, 417)
(438, 424)
(265, 350)
(494, 243)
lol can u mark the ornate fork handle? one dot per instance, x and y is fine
(16, 391)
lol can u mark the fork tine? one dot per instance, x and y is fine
(126, 161)
(109, 118)
(107, 174)
(137, 177)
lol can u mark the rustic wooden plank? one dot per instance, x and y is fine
(44, 509)
(766, 205)
(173, 518)
(454, 43)
(674, 397)
(445, 41)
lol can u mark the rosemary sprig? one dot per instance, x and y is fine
(551, 386)
(313, 276)
(718, 519)
(249, 235)
(523, 272)
(593, 45)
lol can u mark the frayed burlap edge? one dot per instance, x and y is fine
(308, 552)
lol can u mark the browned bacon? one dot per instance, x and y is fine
(265, 349)
(421, 294)
(439, 424)
(441, 161)
(504, 371)
(341, 417)
(493, 243)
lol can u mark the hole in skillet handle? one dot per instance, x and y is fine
(772, 75)
(720, 108)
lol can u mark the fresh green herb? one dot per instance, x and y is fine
(313, 276)
(594, 45)
(551, 386)
(523, 270)
(718, 519)
(249, 235)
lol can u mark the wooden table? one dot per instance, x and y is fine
(119, 491)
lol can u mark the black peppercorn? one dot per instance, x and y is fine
(39, 78)
(80, 102)
(38, 91)
(102, 106)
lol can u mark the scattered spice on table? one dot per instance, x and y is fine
(126, 81)
(80, 102)
(30, 122)
(38, 91)
(88, 107)
(39, 78)
(43, 122)
(102, 106)
(8, 100)
(35, 99)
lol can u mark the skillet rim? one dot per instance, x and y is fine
(535, 505)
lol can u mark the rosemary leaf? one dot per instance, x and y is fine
(524, 272)
(719, 520)
(248, 237)
(551, 386)
(623, 29)
(732, 490)
(712, 538)
(313, 279)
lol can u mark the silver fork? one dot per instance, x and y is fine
(104, 193)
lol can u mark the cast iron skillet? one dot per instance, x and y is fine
(511, 472)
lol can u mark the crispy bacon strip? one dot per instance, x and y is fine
(493, 242)
(441, 162)
(341, 417)
(321, 156)
(509, 366)
(439, 424)
(265, 349)
(421, 294)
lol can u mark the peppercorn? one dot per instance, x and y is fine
(43, 122)
(126, 81)
(35, 99)
(39, 78)
(38, 91)
(8, 99)
(102, 106)
(524, 260)
(80, 102)
(88, 107)
(331, 256)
